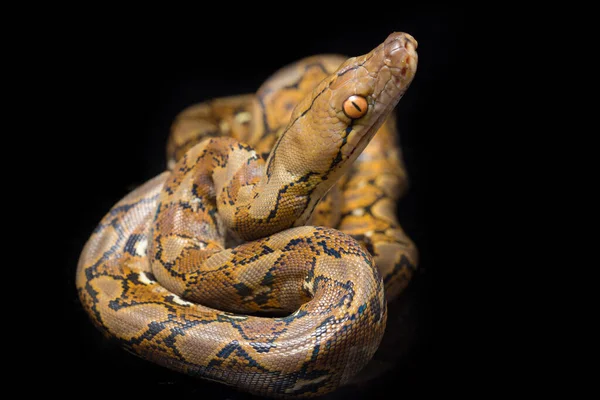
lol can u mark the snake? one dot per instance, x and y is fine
(264, 255)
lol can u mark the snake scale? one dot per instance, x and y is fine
(264, 255)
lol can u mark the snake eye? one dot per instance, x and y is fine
(355, 106)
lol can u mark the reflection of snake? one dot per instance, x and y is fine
(179, 271)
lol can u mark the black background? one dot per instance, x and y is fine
(129, 85)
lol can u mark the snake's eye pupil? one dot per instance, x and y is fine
(355, 106)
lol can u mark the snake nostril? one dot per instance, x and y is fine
(408, 39)
(397, 45)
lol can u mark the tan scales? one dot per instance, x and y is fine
(281, 201)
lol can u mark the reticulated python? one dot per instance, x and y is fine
(282, 202)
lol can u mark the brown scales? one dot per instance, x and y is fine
(157, 276)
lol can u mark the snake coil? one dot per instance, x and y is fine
(263, 257)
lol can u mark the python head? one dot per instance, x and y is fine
(331, 126)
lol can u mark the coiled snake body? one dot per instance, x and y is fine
(281, 202)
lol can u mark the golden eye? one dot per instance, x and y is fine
(355, 106)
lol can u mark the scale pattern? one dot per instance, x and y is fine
(265, 254)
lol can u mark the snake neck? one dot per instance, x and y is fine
(284, 196)
(302, 167)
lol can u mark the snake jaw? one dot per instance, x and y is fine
(321, 141)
